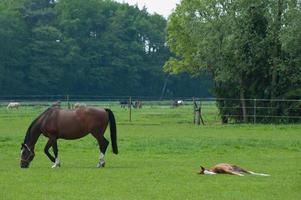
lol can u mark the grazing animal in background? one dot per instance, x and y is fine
(225, 168)
(124, 104)
(13, 105)
(78, 105)
(137, 104)
(55, 123)
(177, 103)
(56, 104)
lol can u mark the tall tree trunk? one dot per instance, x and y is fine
(164, 87)
(243, 101)
(276, 48)
(276, 55)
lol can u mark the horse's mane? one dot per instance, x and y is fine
(28, 132)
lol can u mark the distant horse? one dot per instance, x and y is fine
(78, 105)
(177, 103)
(56, 123)
(13, 105)
(124, 104)
(137, 104)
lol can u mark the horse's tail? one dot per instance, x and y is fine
(113, 130)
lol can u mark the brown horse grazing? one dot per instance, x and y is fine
(56, 123)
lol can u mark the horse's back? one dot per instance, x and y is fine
(90, 113)
(77, 123)
(222, 168)
(225, 167)
(95, 119)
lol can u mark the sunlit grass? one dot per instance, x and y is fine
(160, 154)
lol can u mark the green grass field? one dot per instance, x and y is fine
(160, 154)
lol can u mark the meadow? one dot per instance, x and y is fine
(160, 154)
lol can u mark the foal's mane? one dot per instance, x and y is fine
(28, 132)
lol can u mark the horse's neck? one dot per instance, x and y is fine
(35, 133)
(36, 128)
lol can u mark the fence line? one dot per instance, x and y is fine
(257, 109)
(121, 97)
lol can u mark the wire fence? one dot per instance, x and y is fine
(212, 110)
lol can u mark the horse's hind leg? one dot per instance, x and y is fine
(233, 173)
(103, 144)
(103, 147)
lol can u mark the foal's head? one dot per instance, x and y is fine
(27, 156)
(205, 171)
(202, 170)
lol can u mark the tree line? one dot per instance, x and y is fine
(87, 47)
(252, 50)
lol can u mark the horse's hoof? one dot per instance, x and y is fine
(100, 165)
(57, 163)
(56, 166)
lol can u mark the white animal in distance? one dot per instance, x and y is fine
(13, 105)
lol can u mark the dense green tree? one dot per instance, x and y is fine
(290, 38)
(243, 44)
(95, 47)
(13, 51)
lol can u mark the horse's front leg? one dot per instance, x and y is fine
(55, 151)
(52, 142)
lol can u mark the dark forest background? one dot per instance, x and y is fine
(85, 47)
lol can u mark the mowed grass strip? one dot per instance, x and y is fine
(160, 154)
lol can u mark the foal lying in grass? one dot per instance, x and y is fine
(225, 168)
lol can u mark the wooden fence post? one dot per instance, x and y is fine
(130, 109)
(201, 113)
(197, 113)
(198, 116)
(254, 112)
(193, 101)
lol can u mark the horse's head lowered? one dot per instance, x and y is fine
(27, 156)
